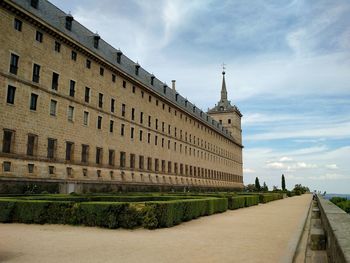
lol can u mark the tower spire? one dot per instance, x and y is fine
(223, 87)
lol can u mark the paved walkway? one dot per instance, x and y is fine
(264, 233)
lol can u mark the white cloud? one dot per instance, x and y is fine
(332, 166)
(285, 159)
(248, 170)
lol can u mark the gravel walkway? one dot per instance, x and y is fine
(264, 233)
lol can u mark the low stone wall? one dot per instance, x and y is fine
(336, 224)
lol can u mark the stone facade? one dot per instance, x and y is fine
(72, 112)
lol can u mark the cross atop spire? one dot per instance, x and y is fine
(223, 86)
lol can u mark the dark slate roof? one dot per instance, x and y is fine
(56, 18)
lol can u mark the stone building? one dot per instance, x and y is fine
(76, 112)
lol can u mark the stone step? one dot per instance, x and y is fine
(316, 223)
(317, 239)
(315, 213)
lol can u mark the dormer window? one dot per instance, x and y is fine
(137, 67)
(69, 20)
(186, 103)
(164, 88)
(34, 3)
(201, 113)
(152, 79)
(176, 96)
(119, 56)
(96, 40)
(194, 109)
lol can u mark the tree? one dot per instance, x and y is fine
(265, 188)
(257, 184)
(283, 183)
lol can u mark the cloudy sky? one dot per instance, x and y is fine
(288, 70)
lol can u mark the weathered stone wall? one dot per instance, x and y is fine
(336, 224)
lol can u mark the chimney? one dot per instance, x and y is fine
(173, 84)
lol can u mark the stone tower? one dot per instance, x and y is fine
(226, 114)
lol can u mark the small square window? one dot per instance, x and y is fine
(102, 71)
(85, 172)
(69, 171)
(113, 77)
(74, 55)
(51, 170)
(133, 89)
(7, 166)
(98, 172)
(39, 36)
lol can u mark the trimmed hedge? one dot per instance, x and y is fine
(265, 198)
(167, 214)
(251, 200)
(236, 202)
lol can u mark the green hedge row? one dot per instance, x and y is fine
(265, 198)
(166, 214)
(103, 214)
(152, 214)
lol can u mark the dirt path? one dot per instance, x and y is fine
(264, 233)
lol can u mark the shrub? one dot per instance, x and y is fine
(236, 202)
(251, 200)
(169, 213)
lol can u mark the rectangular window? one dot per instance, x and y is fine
(84, 153)
(111, 126)
(141, 162)
(100, 100)
(7, 141)
(112, 105)
(132, 161)
(113, 78)
(88, 63)
(122, 130)
(54, 83)
(169, 167)
(98, 155)
(132, 132)
(141, 136)
(149, 164)
(30, 168)
(149, 98)
(141, 117)
(31, 144)
(70, 113)
(39, 36)
(69, 151)
(122, 159)
(17, 24)
(133, 89)
(51, 170)
(124, 84)
(148, 137)
(72, 88)
(86, 118)
(53, 106)
(156, 124)
(33, 101)
(163, 166)
(149, 121)
(156, 140)
(11, 91)
(51, 148)
(57, 46)
(87, 94)
(99, 122)
(123, 110)
(74, 55)
(102, 70)
(36, 73)
(132, 114)
(156, 165)
(14, 64)
(111, 157)
(34, 3)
